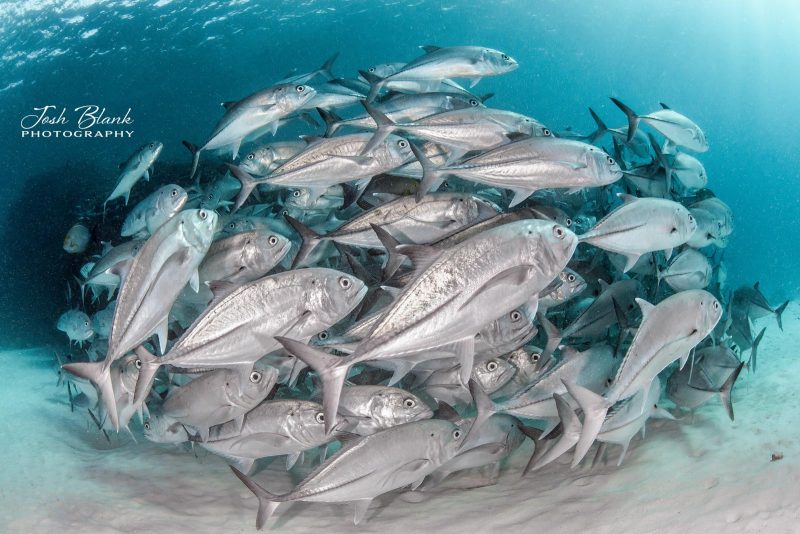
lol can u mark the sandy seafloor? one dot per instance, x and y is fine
(710, 475)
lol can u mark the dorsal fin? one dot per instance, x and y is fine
(645, 306)
(664, 106)
(220, 289)
(430, 48)
(228, 104)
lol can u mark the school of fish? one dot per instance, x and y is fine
(411, 293)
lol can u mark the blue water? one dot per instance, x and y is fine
(731, 67)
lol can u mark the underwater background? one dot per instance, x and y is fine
(731, 66)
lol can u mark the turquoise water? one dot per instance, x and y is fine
(732, 69)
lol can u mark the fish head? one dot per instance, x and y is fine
(198, 227)
(493, 374)
(161, 429)
(129, 367)
(259, 162)
(171, 198)
(559, 241)
(151, 151)
(530, 127)
(685, 223)
(334, 294)
(513, 328)
(305, 422)
(710, 312)
(573, 283)
(271, 246)
(298, 198)
(456, 101)
(383, 70)
(498, 62)
(526, 360)
(256, 386)
(605, 168)
(398, 149)
(76, 324)
(392, 406)
(290, 97)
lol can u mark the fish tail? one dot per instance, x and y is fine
(484, 407)
(148, 370)
(633, 118)
(248, 184)
(595, 408)
(754, 349)
(98, 374)
(376, 84)
(308, 240)
(195, 156)
(431, 175)
(332, 371)
(325, 69)
(779, 313)
(394, 258)
(385, 126)
(727, 387)
(570, 434)
(331, 119)
(267, 502)
(601, 128)
(554, 337)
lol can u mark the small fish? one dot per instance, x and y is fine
(138, 165)
(77, 239)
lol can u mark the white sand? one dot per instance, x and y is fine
(707, 476)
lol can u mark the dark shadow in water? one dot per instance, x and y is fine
(35, 267)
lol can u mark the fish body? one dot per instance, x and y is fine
(137, 166)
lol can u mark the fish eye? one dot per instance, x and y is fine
(147, 425)
(535, 357)
(402, 143)
(210, 196)
(251, 156)
(345, 282)
(255, 377)
(505, 57)
(138, 363)
(691, 218)
(323, 335)
(320, 417)
(559, 232)
(610, 160)
(716, 305)
(300, 88)
(152, 145)
(202, 214)
(285, 213)
(568, 222)
(272, 240)
(546, 132)
(571, 277)
(86, 323)
(516, 315)
(174, 192)
(409, 403)
(491, 366)
(232, 226)
(608, 382)
(473, 102)
(456, 434)
(372, 69)
(296, 193)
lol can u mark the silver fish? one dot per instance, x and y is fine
(136, 167)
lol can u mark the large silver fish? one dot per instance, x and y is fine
(156, 209)
(251, 114)
(642, 225)
(472, 62)
(669, 331)
(241, 326)
(368, 467)
(152, 281)
(677, 128)
(457, 292)
(528, 165)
